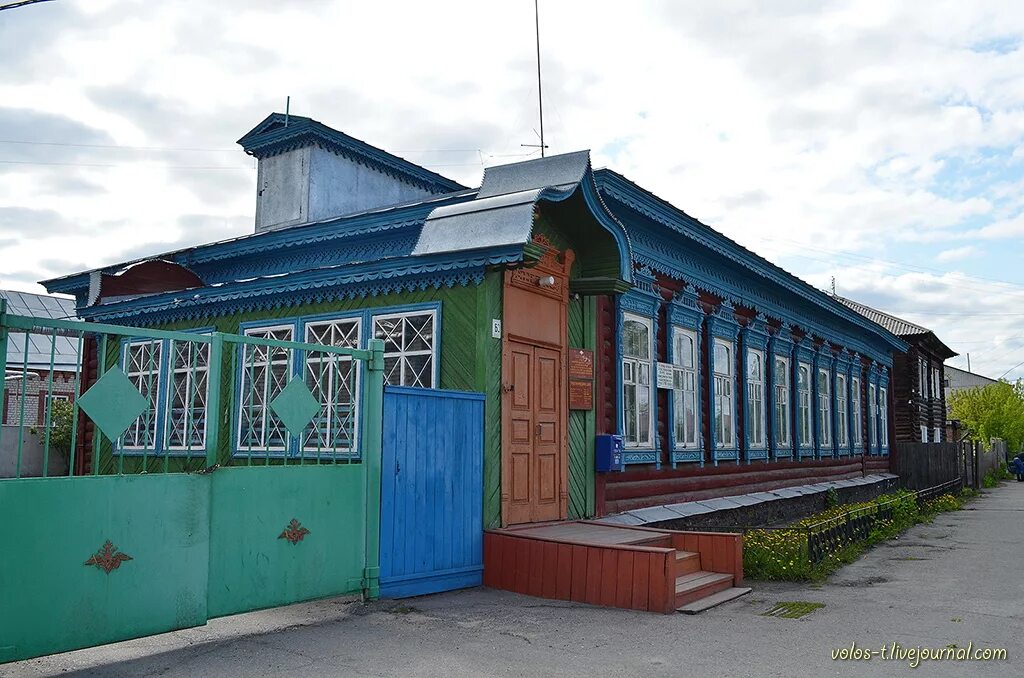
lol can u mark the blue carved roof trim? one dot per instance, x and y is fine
(216, 261)
(324, 284)
(272, 137)
(643, 202)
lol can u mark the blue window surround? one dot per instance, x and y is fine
(804, 353)
(823, 360)
(298, 325)
(874, 446)
(162, 394)
(856, 372)
(842, 368)
(755, 336)
(643, 301)
(781, 344)
(684, 312)
(722, 325)
(883, 412)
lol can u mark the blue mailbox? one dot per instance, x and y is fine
(608, 453)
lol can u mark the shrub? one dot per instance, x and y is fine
(940, 504)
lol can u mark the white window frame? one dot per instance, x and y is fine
(685, 386)
(266, 414)
(318, 365)
(924, 433)
(824, 408)
(144, 380)
(202, 398)
(756, 416)
(936, 393)
(937, 434)
(403, 354)
(805, 430)
(883, 418)
(873, 416)
(922, 377)
(636, 373)
(842, 413)
(858, 414)
(724, 389)
(783, 398)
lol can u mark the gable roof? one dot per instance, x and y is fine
(897, 325)
(278, 133)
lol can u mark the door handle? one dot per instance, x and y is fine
(508, 388)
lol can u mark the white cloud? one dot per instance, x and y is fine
(957, 253)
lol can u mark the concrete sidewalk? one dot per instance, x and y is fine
(954, 581)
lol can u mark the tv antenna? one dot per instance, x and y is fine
(540, 96)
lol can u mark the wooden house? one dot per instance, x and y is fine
(578, 302)
(918, 378)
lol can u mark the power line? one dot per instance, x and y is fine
(123, 164)
(22, 3)
(119, 147)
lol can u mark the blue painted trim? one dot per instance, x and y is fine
(684, 312)
(642, 301)
(722, 324)
(755, 338)
(648, 205)
(782, 346)
(271, 137)
(435, 392)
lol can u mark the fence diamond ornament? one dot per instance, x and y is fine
(113, 403)
(295, 406)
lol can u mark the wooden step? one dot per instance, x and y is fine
(697, 585)
(687, 562)
(707, 602)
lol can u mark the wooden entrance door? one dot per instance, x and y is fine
(533, 415)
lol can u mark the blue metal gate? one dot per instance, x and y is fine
(431, 491)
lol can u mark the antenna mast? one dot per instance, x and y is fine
(540, 94)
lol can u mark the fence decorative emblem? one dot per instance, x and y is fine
(113, 403)
(108, 558)
(294, 533)
(295, 406)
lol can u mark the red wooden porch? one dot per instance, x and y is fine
(616, 566)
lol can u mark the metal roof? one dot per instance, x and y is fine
(898, 326)
(502, 212)
(65, 349)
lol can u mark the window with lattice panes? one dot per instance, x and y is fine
(782, 398)
(842, 435)
(637, 350)
(410, 343)
(187, 396)
(755, 398)
(685, 395)
(334, 382)
(872, 416)
(266, 370)
(725, 405)
(858, 415)
(803, 402)
(141, 363)
(824, 408)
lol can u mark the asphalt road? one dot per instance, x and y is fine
(952, 582)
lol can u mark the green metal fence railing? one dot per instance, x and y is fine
(138, 400)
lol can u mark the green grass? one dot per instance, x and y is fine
(781, 555)
(792, 609)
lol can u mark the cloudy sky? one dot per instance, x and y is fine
(876, 142)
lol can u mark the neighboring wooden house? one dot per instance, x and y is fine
(46, 360)
(579, 303)
(957, 380)
(919, 398)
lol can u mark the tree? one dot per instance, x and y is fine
(993, 411)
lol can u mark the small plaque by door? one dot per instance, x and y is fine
(581, 395)
(581, 363)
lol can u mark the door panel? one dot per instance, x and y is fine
(534, 454)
